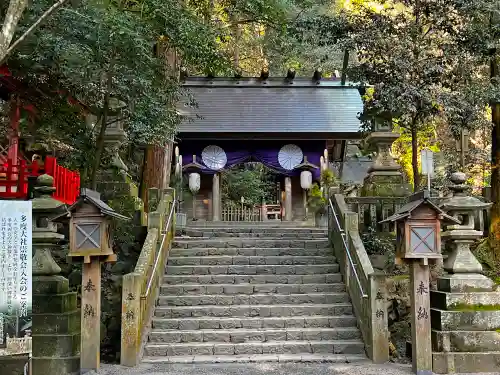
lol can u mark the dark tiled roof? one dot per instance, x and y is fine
(273, 106)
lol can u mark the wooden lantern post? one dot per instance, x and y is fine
(90, 243)
(418, 243)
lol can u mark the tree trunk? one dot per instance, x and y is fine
(153, 171)
(100, 137)
(12, 17)
(414, 156)
(495, 167)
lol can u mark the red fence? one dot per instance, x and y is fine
(14, 179)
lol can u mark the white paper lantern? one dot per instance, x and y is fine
(306, 179)
(194, 182)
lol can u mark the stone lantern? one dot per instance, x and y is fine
(460, 236)
(466, 304)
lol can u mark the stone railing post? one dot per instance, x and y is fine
(379, 325)
(56, 328)
(466, 304)
(131, 327)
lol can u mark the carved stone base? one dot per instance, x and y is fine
(56, 328)
(465, 318)
(385, 184)
(464, 283)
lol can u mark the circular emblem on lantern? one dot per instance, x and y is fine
(214, 157)
(290, 156)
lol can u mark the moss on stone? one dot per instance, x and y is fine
(475, 307)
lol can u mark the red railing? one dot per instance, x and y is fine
(14, 179)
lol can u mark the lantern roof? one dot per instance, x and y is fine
(415, 201)
(306, 166)
(94, 198)
(193, 166)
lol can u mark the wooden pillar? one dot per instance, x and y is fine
(216, 206)
(91, 315)
(288, 199)
(420, 318)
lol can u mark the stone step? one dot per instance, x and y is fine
(183, 289)
(253, 279)
(254, 299)
(242, 335)
(225, 260)
(249, 242)
(465, 320)
(254, 229)
(254, 224)
(261, 322)
(290, 233)
(260, 358)
(273, 347)
(253, 270)
(253, 311)
(250, 251)
(461, 363)
(466, 341)
(453, 301)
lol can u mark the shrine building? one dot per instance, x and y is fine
(279, 122)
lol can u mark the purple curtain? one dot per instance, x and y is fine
(265, 152)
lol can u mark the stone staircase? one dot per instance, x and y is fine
(241, 293)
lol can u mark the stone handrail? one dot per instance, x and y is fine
(372, 210)
(141, 288)
(366, 288)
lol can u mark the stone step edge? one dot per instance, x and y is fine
(253, 265)
(340, 304)
(255, 318)
(254, 295)
(262, 358)
(241, 275)
(251, 330)
(267, 238)
(246, 248)
(249, 256)
(189, 285)
(277, 342)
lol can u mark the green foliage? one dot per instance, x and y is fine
(378, 243)
(316, 200)
(410, 52)
(253, 184)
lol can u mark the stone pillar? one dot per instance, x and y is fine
(56, 319)
(216, 205)
(466, 305)
(288, 199)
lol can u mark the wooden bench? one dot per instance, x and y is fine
(273, 211)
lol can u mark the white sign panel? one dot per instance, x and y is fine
(15, 260)
(427, 158)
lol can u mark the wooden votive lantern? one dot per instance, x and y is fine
(90, 228)
(90, 242)
(418, 228)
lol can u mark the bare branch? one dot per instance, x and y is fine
(47, 13)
